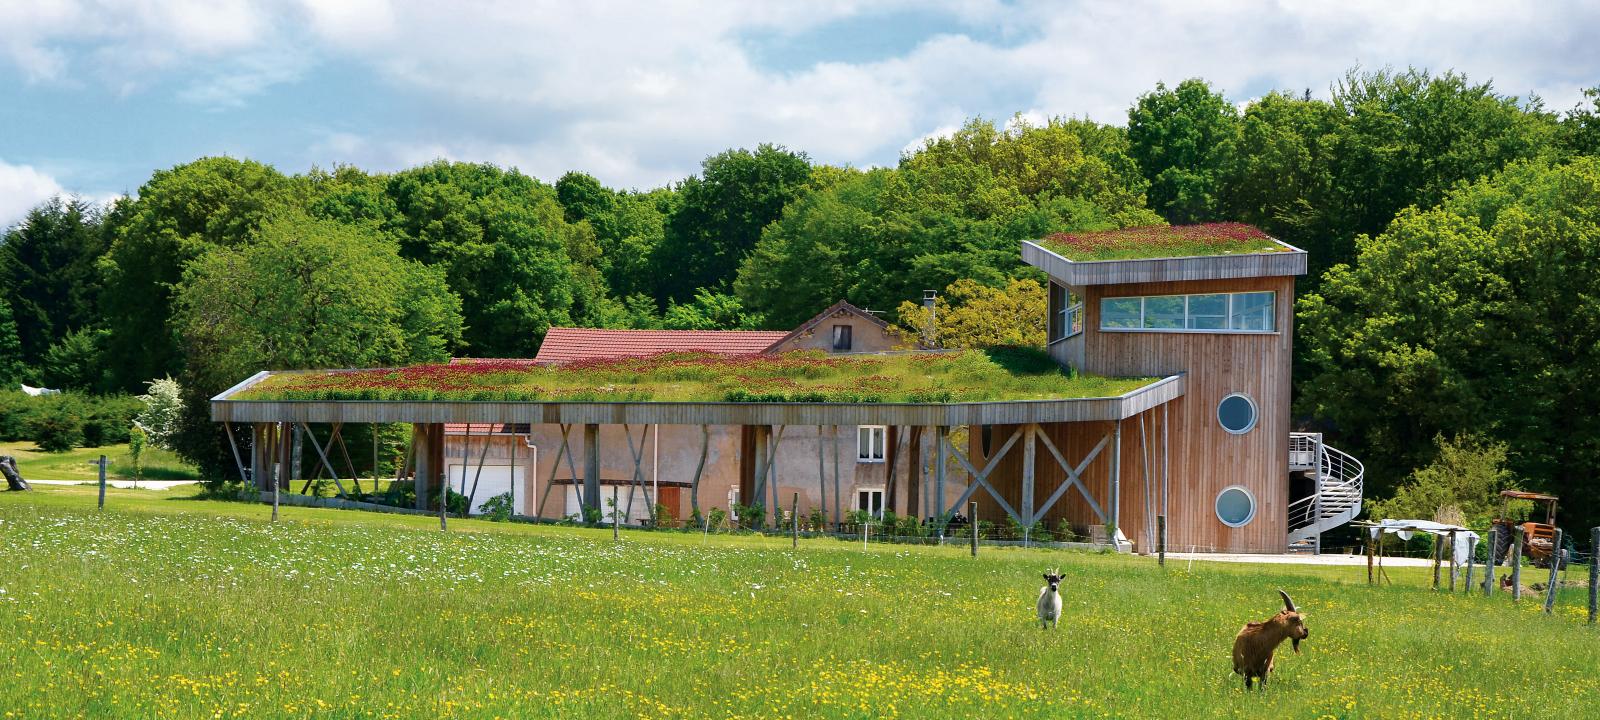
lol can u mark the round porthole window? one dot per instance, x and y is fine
(1236, 507)
(1237, 413)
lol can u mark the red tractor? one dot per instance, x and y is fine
(1539, 539)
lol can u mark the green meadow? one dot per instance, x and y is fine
(169, 606)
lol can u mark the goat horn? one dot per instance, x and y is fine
(1287, 603)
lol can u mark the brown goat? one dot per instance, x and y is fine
(1254, 645)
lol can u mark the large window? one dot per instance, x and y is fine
(869, 442)
(1212, 312)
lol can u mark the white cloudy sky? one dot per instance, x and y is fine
(95, 94)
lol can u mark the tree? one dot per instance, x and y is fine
(721, 213)
(1580, 129)
(506, 248)
(79, 362)
(710, 311)
(956, 208)
(1183, 140)
(12, 369)
(49, 272)
(1460, 486)
(972, 315)
(163, 408)
(307, 294)
(1475, 317)
(179, 215)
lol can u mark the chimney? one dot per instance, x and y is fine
(930, 300)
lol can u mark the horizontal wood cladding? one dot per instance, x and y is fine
(1114, 272)
(677, 413)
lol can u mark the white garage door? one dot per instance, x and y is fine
(495, 480)
(640, 514)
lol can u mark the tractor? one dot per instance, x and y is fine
(1539, 539)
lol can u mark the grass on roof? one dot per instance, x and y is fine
(1161, 241)
(963, 376)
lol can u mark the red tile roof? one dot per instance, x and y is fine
(567, 344)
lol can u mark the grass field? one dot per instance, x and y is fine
(171, 607)
(36, 464)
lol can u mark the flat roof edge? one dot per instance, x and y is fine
(1291, 262)
(996, 412)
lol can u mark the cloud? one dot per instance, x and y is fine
(638, 94)
(21, 188)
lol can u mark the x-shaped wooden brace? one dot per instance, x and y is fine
(982, 478)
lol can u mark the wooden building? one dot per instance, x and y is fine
(1207, 444)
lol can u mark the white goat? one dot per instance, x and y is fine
(1050, 600)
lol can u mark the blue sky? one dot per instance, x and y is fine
(95, 95)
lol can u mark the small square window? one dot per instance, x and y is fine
(870, 500)
(841, 338)
(870, 442)
(1208, 312)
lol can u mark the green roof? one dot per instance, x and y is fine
(921, 377)
(1163, 241)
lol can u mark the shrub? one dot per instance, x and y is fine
(498, 508)
(718, 517)
(56, 427)
(15, 408)
(106, 418)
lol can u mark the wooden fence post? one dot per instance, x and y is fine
(1161, 540)
(1516, 563)
(1439, 546)
(1454, 568)
(1554, 585)
(1370, 543)
(1472, 559)
(102, 464)
(1488, 567)
(616, 522)
(972, 528)
(794, 521)
(1594, 574)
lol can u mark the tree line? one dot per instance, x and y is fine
(1450, 228)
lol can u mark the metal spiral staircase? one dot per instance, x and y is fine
(1337, 499)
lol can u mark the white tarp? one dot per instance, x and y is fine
(36, 392)
(1405, 528)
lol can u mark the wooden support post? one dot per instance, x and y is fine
(972, 527)
(1370, 543)
(1554, 585)
(1114, 503)
(1454, 568)
(939, 470)
(422, 452)
(1516, 563)
(1594, 574)
(1438, 545)
(837, 494)
(1488, 567)
(822, 471)
(758, 483)
(794, 522)
(591, 468)
(616, 520)
(1161, 540)
(283, 448)
(1029, 449)
(1472, 559)
(102, 465)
